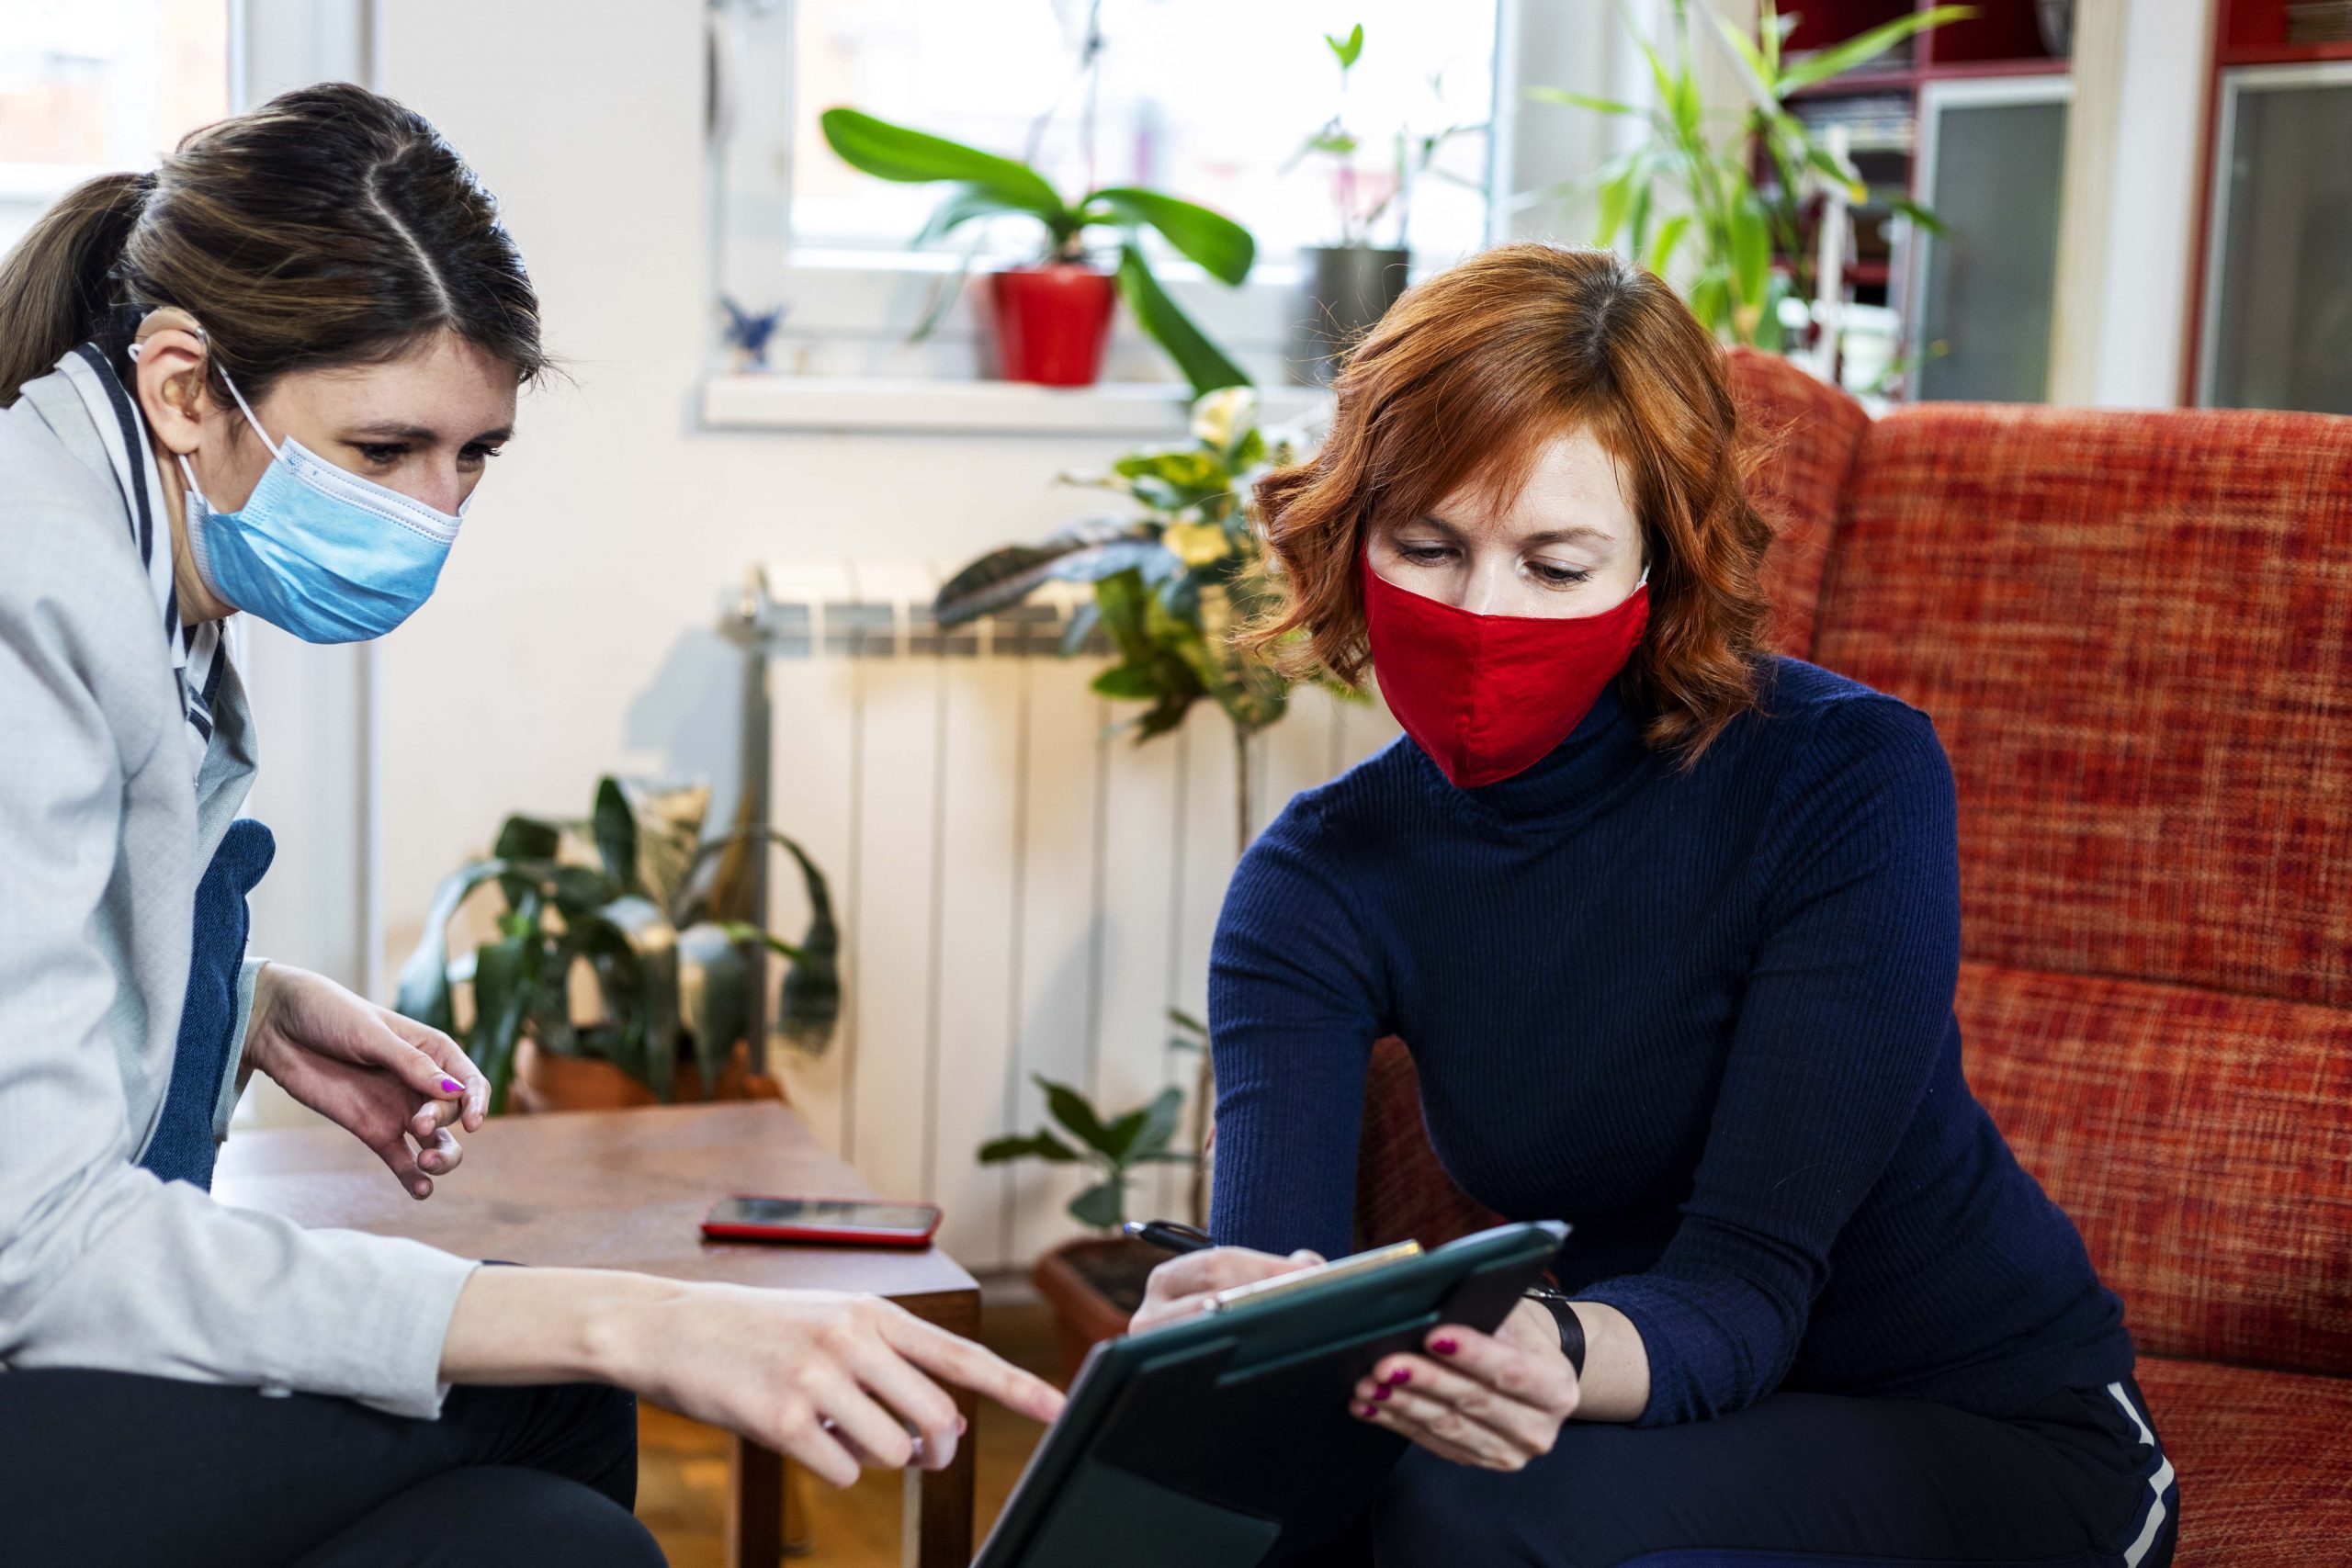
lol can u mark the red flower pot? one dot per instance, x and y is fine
(1051, 322)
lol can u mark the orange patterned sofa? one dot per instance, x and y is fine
(2133, 632)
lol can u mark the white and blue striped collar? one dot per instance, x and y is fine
(200, 654)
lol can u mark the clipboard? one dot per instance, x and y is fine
(1224, 1440)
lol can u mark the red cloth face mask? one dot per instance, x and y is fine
(1488, 696)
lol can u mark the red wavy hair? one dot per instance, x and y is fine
(1462, 385)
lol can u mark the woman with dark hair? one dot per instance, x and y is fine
(267, 379)
(1672, 928)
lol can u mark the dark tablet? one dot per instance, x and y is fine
(1224, 1440)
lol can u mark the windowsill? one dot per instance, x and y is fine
(912, 405)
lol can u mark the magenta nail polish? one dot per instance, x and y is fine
(1402, 1374)
(1444, 1345)
(1383, 1392)
(451, 1086)
(1367, 1411)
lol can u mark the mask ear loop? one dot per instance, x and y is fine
(172, 316)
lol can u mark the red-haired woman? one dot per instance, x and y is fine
(1672, 928)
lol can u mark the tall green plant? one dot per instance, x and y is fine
(988, 186)
(1688, 185)
(635, 897)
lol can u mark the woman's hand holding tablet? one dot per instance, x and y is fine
(1492, 1400)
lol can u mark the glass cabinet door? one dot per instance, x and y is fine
(1992, 154)
(2277, 309)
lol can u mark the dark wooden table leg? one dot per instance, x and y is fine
(755, 1518)
(944, 1537)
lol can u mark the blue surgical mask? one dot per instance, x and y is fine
(318, 551)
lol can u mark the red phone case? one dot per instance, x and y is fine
(845, 1236)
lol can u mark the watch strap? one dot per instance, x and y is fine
(1564, 1316)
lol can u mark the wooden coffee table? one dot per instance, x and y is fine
(626, 1189)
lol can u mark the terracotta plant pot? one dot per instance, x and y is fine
(1094, 1286)
(1051, 322)
(549, 1080)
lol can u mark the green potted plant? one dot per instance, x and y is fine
(1096, 1283)
(620, 971)
(1351, 284)
(1052, 316)
(1689, 186)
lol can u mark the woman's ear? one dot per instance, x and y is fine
(170, 356)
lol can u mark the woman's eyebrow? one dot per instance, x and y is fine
(1575, 531)
(392, 430)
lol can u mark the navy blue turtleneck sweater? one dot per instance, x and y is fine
(1704, 1015)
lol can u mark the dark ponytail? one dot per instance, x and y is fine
(330, 227)
(59, 281)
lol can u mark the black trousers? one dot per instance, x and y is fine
(98, 1469)
(2076, 1481)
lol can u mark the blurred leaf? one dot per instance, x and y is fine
(1040, 1144)
(423, 990)
(1223, 248)
(1839, 58)
(714, 983)
(616, 828)
(1709, 300)
(1616, 200)
(1119, 1135)
(1125, 680)
(808, 1004)
(501, 994)
(1751, 248)
(1755, 72)
(1842, 172)
(961, 205)
(1197, 544)
(1104, 1205)
(527, 838)
(1578, 100)
(1225, 420)
(1160, 1121)
(666, 819)
(1346, 49)
(892, 152)
(1907, 208)
(1203, 364)
(1079, 552)
(1083, 622)
(1072, 1111)
(1669, 235)
(1190, 474)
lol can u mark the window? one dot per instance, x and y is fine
(1207, 99)
(92, 86)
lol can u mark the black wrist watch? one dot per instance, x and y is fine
(1555, 1301)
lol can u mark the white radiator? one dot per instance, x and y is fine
(1020, 889)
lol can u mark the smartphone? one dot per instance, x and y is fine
(859, 1221)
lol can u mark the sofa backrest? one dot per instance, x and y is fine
(2133, 632)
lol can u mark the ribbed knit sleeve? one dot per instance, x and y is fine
(1846, 1007)
(1293, 1013)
